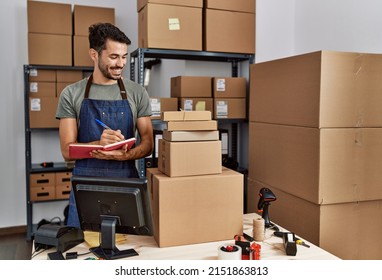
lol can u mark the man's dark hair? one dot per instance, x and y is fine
(99, 33)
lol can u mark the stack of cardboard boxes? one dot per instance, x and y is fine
(194, 199)
(315, 140)
(209, 25)
(51, 40)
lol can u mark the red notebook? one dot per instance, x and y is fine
(83, 150)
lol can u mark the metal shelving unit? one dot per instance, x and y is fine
(31, 168)
(137, 60)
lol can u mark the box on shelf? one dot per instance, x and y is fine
(69, 75)
(42, 179)
(44, 49)
(318, 89)
(49, 18)
(160, 105)
(196, 206)
(42, 75)
(170, 27)
(191, 86)
(196, 104)
(323, 166)
(186, 3)
(81, 55)
(230, 108)
(229, 87)
(42, 89)
(231, 32)
(42, 111)
(189, 158)
(248, 6)
(85, 16)
(63, 191)
(63, 178)
(336, 228)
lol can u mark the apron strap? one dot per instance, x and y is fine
(120, 84)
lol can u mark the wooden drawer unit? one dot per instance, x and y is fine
(42, 193)
(63, 191)
(42, 179)
(63, 178)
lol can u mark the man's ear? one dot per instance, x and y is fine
(93, 54)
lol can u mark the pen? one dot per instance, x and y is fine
(101, 123)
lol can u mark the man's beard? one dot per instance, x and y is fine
(105, 72)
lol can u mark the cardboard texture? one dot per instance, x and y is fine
(192, 125)
(323, 166)
(191, 86)
(81, 55)
(43, 49)
(196, 104)
(229, 87)
(320, 89)
(85, 16)
(248, 6)
(42, 89)
(337, 228)
(192, 210)
(187, 116)
(160, 105)
(187, 136)
(186, 3)
(42, 111)
(230, 108)
(189, 158)
(49, 18)
(69, 75)
(170, 27)
(40, 75)
(226, 31)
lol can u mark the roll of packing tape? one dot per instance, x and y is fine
(229, 252)
(258, 229)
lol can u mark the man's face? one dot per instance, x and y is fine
(112, 60)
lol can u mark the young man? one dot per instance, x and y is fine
(121, 104)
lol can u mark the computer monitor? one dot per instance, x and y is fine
(110, 206)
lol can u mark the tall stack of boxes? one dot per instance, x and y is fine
(194, 199)
(315, 140)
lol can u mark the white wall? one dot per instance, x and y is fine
(284, 28)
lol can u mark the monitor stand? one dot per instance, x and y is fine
(107, 249)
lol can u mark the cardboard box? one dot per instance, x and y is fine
(189, 158)
(44, 49)
(42, 89)
(160, 105)
(41, 75)
(319, 89)
(170, 27)
(188, 136)
(60, 87)
(69, 75)
(196, 104)
(42, 193)
(81, 55)
(42, 111)
(187, 116)
(42, 179)
(49, 18)
(192, 210)
(192, 125)
(191, 86)
(229, 87)
(85, 16)
(230, 108)
(226, 31)
(186, 3)
(248, 6)
(323, 166)
(337, 228)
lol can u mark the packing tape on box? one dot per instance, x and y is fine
(229, 252)
(259, 229)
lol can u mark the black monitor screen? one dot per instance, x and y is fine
(113, 205)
